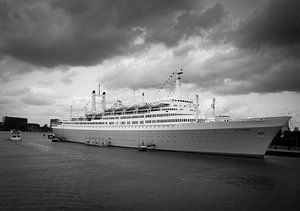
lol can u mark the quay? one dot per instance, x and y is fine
(283, 152)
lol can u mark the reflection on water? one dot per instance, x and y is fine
(36, 146)
(257, 182)
(38, 173)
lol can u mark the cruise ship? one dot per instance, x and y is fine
(171, 124)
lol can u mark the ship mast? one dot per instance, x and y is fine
(178, 84)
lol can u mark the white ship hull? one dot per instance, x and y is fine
(249, 137)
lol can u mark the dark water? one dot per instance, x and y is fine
(39, 174)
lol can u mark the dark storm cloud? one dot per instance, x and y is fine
(188, 23)
(83, 33)
(11, 68)
(260, 54)
(270, 37)
(243, 71)
(16, 92)
(275, 24)
(266, 57)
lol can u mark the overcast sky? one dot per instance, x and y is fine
(244, 53)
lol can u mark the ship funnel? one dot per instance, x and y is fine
(104, 101)
(71, 111)
(213, 105)
(197, 108)
(93, 101)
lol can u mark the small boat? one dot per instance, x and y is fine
(50, 136)
(142, 148)
(145, 147)
(54, 139)
(15, 135)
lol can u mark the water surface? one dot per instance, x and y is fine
(39, 174)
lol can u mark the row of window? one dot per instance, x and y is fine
(131, 112)
(136, 112)
(183, 101)
(169, 109)
(133, 122)
(142, 116)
